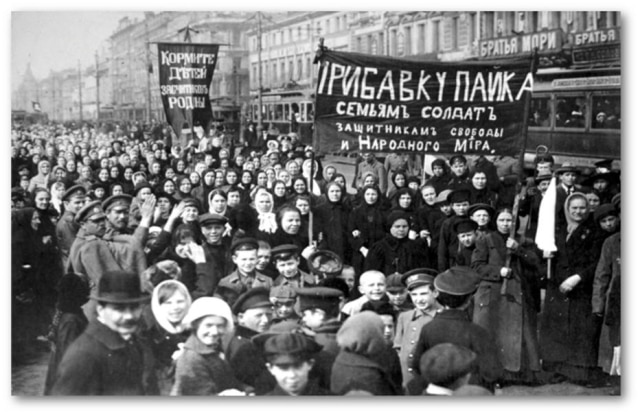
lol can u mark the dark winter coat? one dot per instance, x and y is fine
(391, 255)
(248, 362)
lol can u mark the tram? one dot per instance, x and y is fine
(284, 112)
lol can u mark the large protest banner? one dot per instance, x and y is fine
(380, 104)
(186, 70)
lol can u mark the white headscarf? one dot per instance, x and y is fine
(158, 313)
(267, 220)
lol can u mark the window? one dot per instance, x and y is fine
(540, 112)
(570, 111)
(605, 112)
(408, 41)
(393, 45)
(421, 38)
(436, 37)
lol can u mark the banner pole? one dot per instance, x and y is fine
(314, 141)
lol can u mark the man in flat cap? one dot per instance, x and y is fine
(446, 368)
(465, 230)
(109, 358)
(254, 313)
(290, 359)
(419, 283)
(92, 255)
(67, 228)
(286, 258)
(216, 245)
(567, 176)
(244, 254)
(455, 288)
(283, 298)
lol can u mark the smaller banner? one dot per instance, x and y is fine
(370, 103)
(185, 71)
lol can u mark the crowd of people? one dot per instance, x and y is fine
(151, 268)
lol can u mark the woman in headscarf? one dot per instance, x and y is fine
(165, 330)
(127, 180)
(280, 194)
(41, 179)
(334, 216)
(403, 201)
(509, 314)
(183, 188)
(57, 190)
(365, 363)
(202, 369)
(569, 332)
(299, 188)
(440, 178)
(366, 225)
(398, 181)
(201, 192)
(265, 218)
(480, 192)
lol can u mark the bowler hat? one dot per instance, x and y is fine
(77, 190)
(120, 287)
(464, 226)
(212, 219)
(90, 211)
(418, 277)
(254, 298)
(459, 196)
(568, 167)
(116, 200)
(457, 280)
(445, 362)
(481, 206)
(325, 262)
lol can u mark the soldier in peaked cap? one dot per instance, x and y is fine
(67, 228)
(254, 312)
(117, 209)
(419, 283)
(283, 298)
(121, 363)
(398, 294)
(455, 287)
(244, 254)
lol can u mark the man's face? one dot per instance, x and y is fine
(190, 214)
(600, 185)
(121, 318)
(397, 297)
(212, 233)
(264, 256)
(460, 208)
(458, 168)
(349, 276)
(543, 186)
(257, 319)
(292, 378)
(544, 167)
(423, 297)
(389, 328)
(568, 178)
(609, 223)
(481, 217)
(368, 157)
(284, 308)
(245, 260)
(118, 217)
(467, 239)
(288, 268)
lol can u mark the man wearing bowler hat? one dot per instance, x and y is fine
(254, 313)
(67, 228)
(109, 358)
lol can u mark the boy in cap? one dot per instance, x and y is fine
(253, 312)
(290, 360)
(109, 358)
(466, 233)
(287, 261)
(398, 294)
(264, 265)
(419, 283)
(244, 254)
(283, 298)
(216, 245)
(459, 200)
(455, 288)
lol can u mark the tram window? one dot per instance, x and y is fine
(286, 114)
(540, 112)
(571, 112)
(605, 112)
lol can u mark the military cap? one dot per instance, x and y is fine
(212, 219)
(602, 211)
(282, 293)
(481, 206)
(542, 177)
(324, 262)
(244, 244)
(141, 185)
(284, 251)
(443, 363)
(254, 298)
(459, 196)
(336, 283)
(117, 200)
(457, 280)
(567, 167)
(324, 298)
(464, 226)
(457, 157)
(190, 201)
(604, 164)
(443, 196)
(90, 211)
(609, 177)
(77, 190)
(289, 348)
(418, 277)
(394, 282)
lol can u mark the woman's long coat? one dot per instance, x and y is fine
(569, 332)
(355, 372)
(510, 319)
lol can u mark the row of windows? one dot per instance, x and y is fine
(583, 110)
(281, 71)
(303, 31)
(284, 112)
